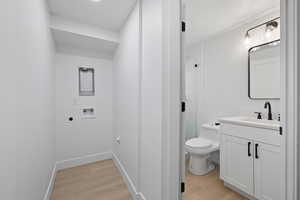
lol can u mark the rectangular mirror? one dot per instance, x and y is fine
(264, 71)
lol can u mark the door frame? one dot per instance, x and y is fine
(172, 102)
(289, 21)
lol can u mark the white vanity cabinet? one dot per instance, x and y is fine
(238, 166)
(252, 161)
(268, 172)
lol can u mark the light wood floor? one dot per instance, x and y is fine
(102, 181)
(208, 187)
(96, 181)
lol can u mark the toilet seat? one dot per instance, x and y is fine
(199, 142)
(201, 146)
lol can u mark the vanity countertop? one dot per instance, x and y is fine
(252, 122)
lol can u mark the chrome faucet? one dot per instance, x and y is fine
(268, 105)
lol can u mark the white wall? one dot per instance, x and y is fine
(127, 96)
(191, 97)
(27, 111)
(138, 100)
(8, 100)
(222, 82)
(82, 137)
(151, 100)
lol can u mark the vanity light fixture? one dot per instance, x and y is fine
(96, 1)
(270, 27)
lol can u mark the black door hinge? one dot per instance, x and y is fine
(280, 130)
(182, 187)
(183, 26)
(183, 106)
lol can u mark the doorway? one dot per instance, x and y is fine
(282, 107)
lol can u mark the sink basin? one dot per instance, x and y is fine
(253, 122)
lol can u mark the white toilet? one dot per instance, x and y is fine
(200, 149)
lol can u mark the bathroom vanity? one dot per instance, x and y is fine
(252, 157)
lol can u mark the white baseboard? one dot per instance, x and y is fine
(64, 164)
(127, 179)
(51, 184)
(141, 197)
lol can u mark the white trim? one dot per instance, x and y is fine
(74, 162)
(141, 197)
(126, 177)
(51, 185)
(139, 164)
(171, 100)
(289, 12)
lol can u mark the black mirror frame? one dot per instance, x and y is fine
(249, 76)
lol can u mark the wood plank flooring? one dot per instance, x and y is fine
(208, 187)
(102, 181)
(96, 181)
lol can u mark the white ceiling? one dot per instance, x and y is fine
(83, 45)
(88, 28)
(107, 14)
(209, 17)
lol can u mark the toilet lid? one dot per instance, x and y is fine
(199, 143)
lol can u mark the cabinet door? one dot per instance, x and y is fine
(238, 160)
(268, 172)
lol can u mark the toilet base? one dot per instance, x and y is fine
(200, 165)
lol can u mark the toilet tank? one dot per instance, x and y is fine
(210, 131)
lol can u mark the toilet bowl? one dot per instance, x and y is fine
(200, 149)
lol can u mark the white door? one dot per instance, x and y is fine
(268, 172)
(238, 159)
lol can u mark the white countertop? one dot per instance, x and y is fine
(252, 122)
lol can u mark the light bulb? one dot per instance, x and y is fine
(270, 27)
(247, 39)
(268, 34)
